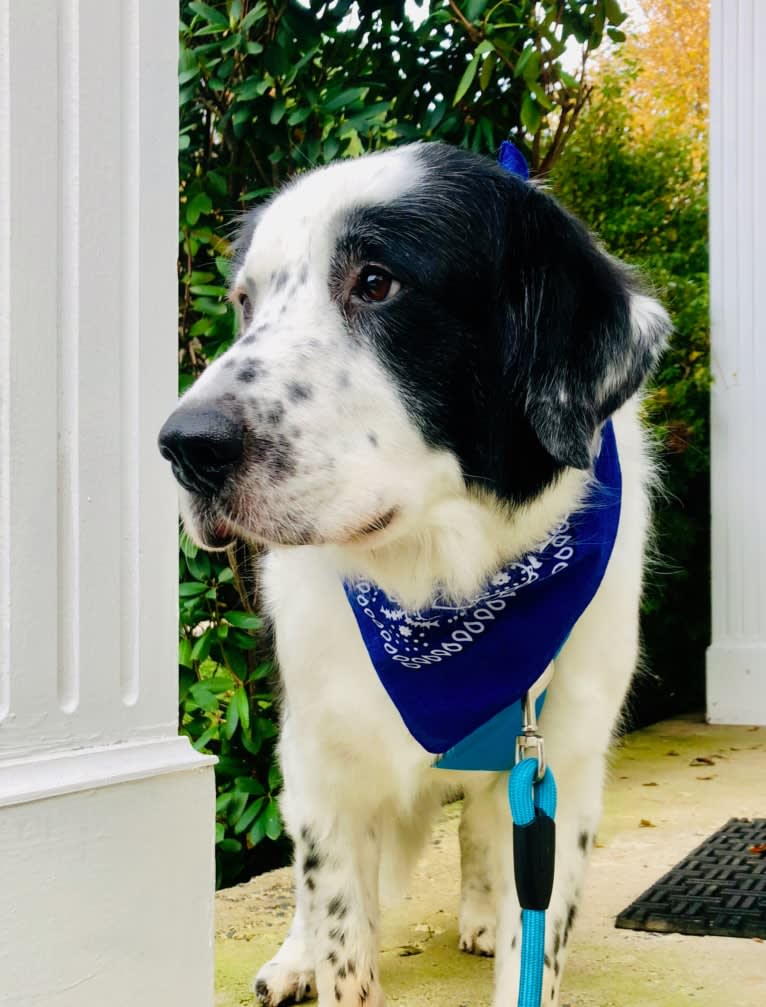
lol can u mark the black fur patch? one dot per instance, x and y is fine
(337, 907)
(501, 341)
(275, 413)
(298, 391)
(248, 373)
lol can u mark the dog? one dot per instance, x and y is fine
(428, 351)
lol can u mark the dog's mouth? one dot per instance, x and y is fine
(216, 534)
(379, 524)
(217, 531)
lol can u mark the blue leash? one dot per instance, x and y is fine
(532, 795)
(533, 807)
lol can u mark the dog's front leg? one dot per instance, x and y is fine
(340, 870)
(332, 946)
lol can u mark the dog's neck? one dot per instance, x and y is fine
(460, 542)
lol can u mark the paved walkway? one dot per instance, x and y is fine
(652, 779)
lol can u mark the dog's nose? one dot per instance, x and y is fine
(203, 446)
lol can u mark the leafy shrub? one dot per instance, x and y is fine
(268, 89)
(645, 194)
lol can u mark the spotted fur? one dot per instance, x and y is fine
(420, 439)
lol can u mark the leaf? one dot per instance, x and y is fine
(244, 620)
(232, 720)
(243, 708)
(646, 824)
(260, 671)
(185, 652)
(258, 831)
(230, 846)
(277, 111)
(487, 67)
(256, 14)
(345, 98)
(249, 786)
(275, 777)
(614, 14)
(273, 821)
(204, 738)
(236, 661)
(475, 8)
(529, 60)
(202, 645)
(467, 79)
(246, 819)
(191, 588)
(209, 14)
(531, 115)
(253, 88)
(199, 695)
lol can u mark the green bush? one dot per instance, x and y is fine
(268, 89)
(645, 195)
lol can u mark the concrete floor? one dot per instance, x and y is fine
(653, 779)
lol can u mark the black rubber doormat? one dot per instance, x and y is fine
(718, 889)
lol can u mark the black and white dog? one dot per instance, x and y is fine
(428, 350)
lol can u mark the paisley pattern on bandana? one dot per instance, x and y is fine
(450, 669)
(415, 639)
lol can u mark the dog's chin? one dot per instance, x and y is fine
(215, 531)
(211, 534)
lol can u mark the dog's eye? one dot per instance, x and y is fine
(245, 306)
(375, 284)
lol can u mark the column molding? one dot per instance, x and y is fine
(88, 372)
(107, 817)
(736, 659)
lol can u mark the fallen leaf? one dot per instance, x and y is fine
(753, 728)
(650, 784)
(759, 849)
(646, 824)
(407, 950)
(702, 760)
(706, 777)
(672, 753)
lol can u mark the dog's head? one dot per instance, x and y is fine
(412, 324)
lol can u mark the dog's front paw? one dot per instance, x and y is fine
(277, 984)
(477, 932)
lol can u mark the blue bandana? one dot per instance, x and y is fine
(457, 674)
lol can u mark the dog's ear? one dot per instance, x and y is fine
(581, 336)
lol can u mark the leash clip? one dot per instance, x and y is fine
(529, 744)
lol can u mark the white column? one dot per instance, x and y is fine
(106, 815)
(736, 660)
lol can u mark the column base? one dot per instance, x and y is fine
(108, 878)
(736, 684)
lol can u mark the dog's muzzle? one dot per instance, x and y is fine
(203, 446)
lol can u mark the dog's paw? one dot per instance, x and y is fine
(277, 985)
(477, 933)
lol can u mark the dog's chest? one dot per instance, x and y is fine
(326, 672)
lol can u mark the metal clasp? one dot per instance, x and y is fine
(529, 744)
